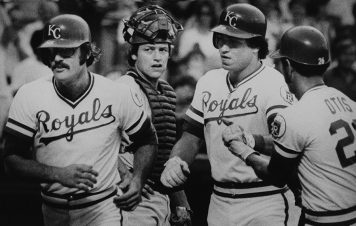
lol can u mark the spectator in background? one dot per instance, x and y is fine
(193, 64)
(343, 75)
(184, 88)
(31, 68)
(198, 30)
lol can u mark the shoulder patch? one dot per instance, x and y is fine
(137, 99)
(286, 95)
(278, 126)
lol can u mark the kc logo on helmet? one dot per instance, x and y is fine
(231, 19)
(54, 31)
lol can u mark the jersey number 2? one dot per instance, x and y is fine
(349, 139)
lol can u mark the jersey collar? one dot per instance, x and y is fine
(243, 81)
(73, 104)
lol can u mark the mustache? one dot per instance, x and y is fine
(59, 65)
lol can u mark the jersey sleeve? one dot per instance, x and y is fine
(132, 114)
(22, 120)
(194, 116)
(287, 135)
(278, 97)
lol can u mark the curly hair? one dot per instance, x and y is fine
(93, 50)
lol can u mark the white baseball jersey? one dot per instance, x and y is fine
(255, 98)
(321, 129)
(128, 157)
(86, 131)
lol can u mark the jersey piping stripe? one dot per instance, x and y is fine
(195, 111)
(291, 153)
(246, 79)
(82, 97)
(135, 124)
(286, 209)
(275, 107)
(10, 120)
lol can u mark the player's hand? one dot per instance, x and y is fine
(237, 133)
(240, 149)
(131, 195)
(181, 217)
(175, 173)
(77, 176)
(147, 190)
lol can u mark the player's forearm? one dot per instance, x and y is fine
(144, 157)
(187, 147)
(259, 165)
(28, 168)
(179, 198)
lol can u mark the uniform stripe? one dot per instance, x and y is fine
(10, 120)
(245, 80)
(82, 97)
(195, 117)
(275, 107)
(135, 124)
(334, 217)
(286, 210)
(286, 152)
(195, 111)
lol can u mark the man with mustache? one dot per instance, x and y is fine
(74, 123)
(246, 91)
(151, 31)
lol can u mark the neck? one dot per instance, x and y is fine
(237, 76)
(306, 83)
(75, 87)
(152, 81)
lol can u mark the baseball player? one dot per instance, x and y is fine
(316, 135)
(245, 91)
(151, 31)
(73, 121)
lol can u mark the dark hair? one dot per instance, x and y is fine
(93, 50)
(309, 70)
(260, 43)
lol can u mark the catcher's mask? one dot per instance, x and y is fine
(151, 24)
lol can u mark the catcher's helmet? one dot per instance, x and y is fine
(151, 24)
(66, 31)
(241, 20)
(305, 45)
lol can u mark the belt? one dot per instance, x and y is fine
(245, 190)
(334, 217)
(76, 201)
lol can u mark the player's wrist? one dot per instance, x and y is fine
(247, 152)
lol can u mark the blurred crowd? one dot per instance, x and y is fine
(21, 22)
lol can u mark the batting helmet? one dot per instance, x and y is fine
(151, 24)
(305, 45)
(241, 20)
(66, 31)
